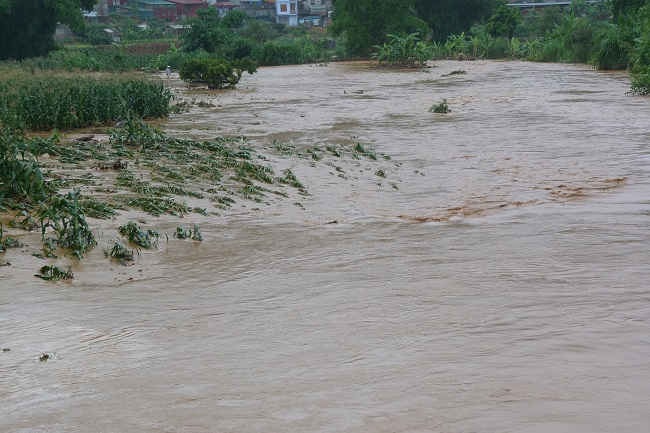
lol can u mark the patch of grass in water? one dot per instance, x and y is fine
(360, 149)
(314, 152)
(441, 108)
(128, 180)
(224, 201)
(252, 192)
(157, 206)
(290, 179)
(7, 242)
(334, 151)
(286, 149)
(247, 170)
(193, 233)
(146, 239)
(48, 250)
(97, 209)
(54, 273)
(120, 253)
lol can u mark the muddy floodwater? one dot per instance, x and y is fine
(495, 278)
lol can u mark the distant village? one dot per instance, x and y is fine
(315, 13)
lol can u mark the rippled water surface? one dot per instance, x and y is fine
(497, 280)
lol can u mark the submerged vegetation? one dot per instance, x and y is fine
(193, 233)
(48, 184)
(7, 242)
(54, 273)
(440, 108)
(143, 238)
(120, 253)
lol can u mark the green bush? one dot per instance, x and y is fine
(216, 73)
(612, 51)
(640, 54)
(504, 21)
(95, 35)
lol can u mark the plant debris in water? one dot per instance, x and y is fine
(45, 356)
(54, 273)
(120, 253)
(456, 72)
(7, 242)
(49, 183)
(441, 108)
(193, 233)
(146, 239)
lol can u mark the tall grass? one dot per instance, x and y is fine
(48, 101)
(107, 58)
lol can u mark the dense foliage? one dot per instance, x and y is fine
(27, 26)
(235, 37)
(612, 35)
(216, 73)
(404, 51)
(43, 102)
(23, 186)
(103, 58)
(366, 23)
(446, 17)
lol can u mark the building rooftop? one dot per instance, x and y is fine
(188, 2)
(156, 2)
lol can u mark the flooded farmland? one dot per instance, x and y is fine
(489, 272)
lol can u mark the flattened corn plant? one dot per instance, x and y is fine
(54, 273)
(223, 164)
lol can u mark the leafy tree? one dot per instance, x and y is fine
(216, 73)
(206, 32)
(221, 36)
(367, 23)
(96, 35)
(504, 21)
(539, 22)
(621, 7)
(27, 26)
(446, 17)
(641, 53)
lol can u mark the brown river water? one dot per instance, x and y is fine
(501, 285)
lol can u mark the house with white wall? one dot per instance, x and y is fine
(287, 12)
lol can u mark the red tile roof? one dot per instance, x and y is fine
(188, 2)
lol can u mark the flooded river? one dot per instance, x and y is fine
(496, 280)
